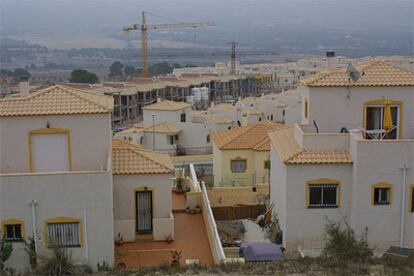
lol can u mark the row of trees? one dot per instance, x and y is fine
(119, 72)
(16, 74)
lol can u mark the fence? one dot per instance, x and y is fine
(238, 212)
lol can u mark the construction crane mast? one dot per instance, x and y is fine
(144, 39)
(233, 58)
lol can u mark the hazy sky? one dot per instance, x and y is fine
(102, 16)
(357, 27)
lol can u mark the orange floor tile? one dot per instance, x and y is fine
(190, 239)
(178, 201)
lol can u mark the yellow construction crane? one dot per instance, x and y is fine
(144, 41)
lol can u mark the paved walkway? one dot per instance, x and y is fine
(190, 238)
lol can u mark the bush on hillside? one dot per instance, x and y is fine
(344, 244)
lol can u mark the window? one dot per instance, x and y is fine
(412, 198)
(323, 193)
(182, 118)
(64, 234)
(271, 117)
(14, 230)
(381, 194)
(305, 103)
(238, 165)
(208, 138)
(260, 118)
(266, 164)
(171, 139)
(374, 117)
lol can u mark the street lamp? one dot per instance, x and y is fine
(153, 131)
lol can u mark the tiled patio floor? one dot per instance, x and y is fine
(190, 238)
(178, 202)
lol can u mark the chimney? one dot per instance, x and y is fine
(330, 60)
(244, 122)
(24, 87)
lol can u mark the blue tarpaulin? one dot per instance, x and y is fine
(261, 251)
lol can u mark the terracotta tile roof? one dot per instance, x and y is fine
(56, 100)
(254, 111)
(248, 100)
(253, 137)
(284, 142)
(223, 106)
(130, 158)
(163, 127)
(220, 120)
(291, 153)
(375, 73)
(321, 157)
(132, 130)
(167, 105)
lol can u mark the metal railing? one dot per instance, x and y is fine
(214, 238)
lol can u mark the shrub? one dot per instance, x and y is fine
(30, 248)
(59, 262)
(343, 244)
(6, 248)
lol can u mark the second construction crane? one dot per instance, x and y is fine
(144, 40)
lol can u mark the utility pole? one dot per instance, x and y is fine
(153, 131)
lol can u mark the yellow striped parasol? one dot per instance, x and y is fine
(387, 120)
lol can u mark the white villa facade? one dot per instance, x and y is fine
(65, 181)
(142, 192)
(174, 128)
(342, 163)
(55, 176)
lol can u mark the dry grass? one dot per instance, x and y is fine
(305, 266)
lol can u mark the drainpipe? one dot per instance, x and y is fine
(85, 229)
(404, 169)
(33, 203)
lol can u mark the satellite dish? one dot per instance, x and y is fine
(353, 73)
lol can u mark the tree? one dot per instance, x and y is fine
(177, 65)
(19, 73)
(83, 76)
(116, 69)
(160, 68)
(129, 70)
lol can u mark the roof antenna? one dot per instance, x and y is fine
(353, 75)
(316, 126)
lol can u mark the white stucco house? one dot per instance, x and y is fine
(174, 128)
(55, 174)
(65, 181)
(283, 107)
(142, 192)
(343, 162)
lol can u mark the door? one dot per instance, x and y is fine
(143, 212)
